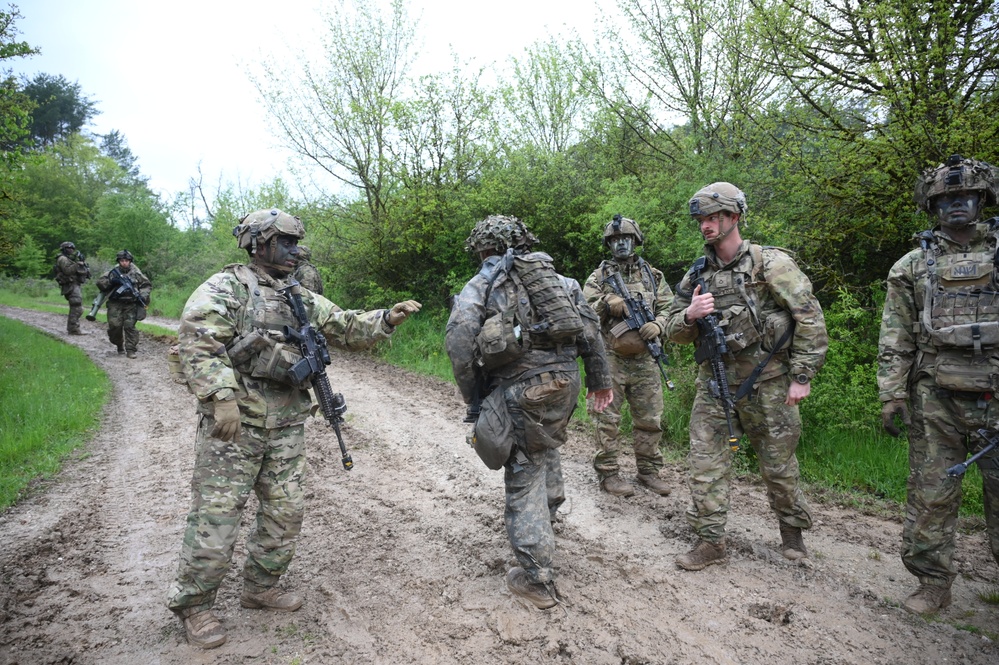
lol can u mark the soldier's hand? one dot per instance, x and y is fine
(601, 398)
(700, 305)
(402, 311)
(226, 420)
(650, 330)
(615, 305)
(889, 410)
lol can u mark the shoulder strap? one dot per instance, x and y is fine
(246, 277)
(647, 272)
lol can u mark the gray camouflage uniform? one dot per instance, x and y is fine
(268, 456)
(124, 310)
(781, 292)
(634, 372)
(911, 366)
(540, 407)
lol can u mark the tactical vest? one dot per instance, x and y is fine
(750, 319)
(617, 337)
(960, 318)
(540, 315)
(260, 350)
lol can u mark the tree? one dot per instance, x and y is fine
(15, 106)
(114, 145)
(60, 108)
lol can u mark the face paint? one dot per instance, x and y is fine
(957, 210)
(622, 247)
(279, 255)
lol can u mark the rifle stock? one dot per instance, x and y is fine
(639, 313)
(992, 437)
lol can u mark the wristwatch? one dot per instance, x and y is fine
(803, 379)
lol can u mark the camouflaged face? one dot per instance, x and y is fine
(262, 225)
(957, 175)
(623, 226)
(499, 233)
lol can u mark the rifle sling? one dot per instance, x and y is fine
(747, 385)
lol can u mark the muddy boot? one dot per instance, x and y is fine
(130, 354)
(537, 593)
(617, 486)
(703, 555)
(792, 544)
(654, 483)
(203, 628)
(272, 599)
(928, 599)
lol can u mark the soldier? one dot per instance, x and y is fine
(251, 434)
(128, 295)
(306, 273)
(939, 351)
(776, 343)
(502, 337)
(634, 371)
(71, 272)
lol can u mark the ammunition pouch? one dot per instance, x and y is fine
(961, 370)
(740, 332)
(626, 342)
(263, 357)
(774, 327)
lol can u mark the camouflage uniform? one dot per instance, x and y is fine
(765, 284)
(944, 419)
(268, 457)
(306, 273)
(70, 273)
(540, 406)
(124, 310)
(634, 372)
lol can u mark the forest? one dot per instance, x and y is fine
(823, 111)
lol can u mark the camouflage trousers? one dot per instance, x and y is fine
(942, 435)
(773, 430)
(121, 324)
(540, 408)
(74, 296)
(271, 464)
(636, 380)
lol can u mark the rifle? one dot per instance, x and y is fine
(638, 314)
(125, 287)
(992, 437)
(713, 348)
(312, 366)
(80, 258)
(98, 301)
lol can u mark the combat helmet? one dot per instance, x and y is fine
(499, 233)
(262, 225)
(957, 175)
(718, 196)
(621, 226)
(124, 254)
(66, 245)
(304, 253)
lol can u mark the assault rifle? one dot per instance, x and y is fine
(637, 314)
(98, 301)
(312, 366)
(80, 258)
(992, 437)
(125, 286)
(713, 348)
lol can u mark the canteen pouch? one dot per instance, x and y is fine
(498, 341)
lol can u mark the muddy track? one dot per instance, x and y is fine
(402, 559)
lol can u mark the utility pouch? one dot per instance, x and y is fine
(275, 362)
(960, 370)
(492, 437)
(140, 312)
(246, 348)
(626, 342)
(740, 332)
(499, 340)
(774, 327)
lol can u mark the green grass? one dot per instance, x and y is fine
(52, 398)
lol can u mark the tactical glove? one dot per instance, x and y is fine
(650, 330)
(226, 420)
(401, 311)
(615, 306)
(889, 410)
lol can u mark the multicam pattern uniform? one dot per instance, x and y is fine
(943, 421)
(540, 407)
(124, 310)
(309, 277)
(776, 287)
(634, 372)
(70, 274)
(268, 456)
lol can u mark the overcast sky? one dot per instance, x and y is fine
(171, 76)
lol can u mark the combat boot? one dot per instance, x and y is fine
(928, 599)
(537, 593)
(617, 486)
(703, 555)
(130, 354)
(272, 599)
(654, 483)
(203, 628)
(792, 544)
(121, 350)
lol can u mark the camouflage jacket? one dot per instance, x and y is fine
(220, 312)
(309, 277)
(69, 271)
(471, 308)
(642, 281)
(905, 349)
(757, 295)
(138, 279)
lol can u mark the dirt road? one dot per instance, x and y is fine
(402, 559)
